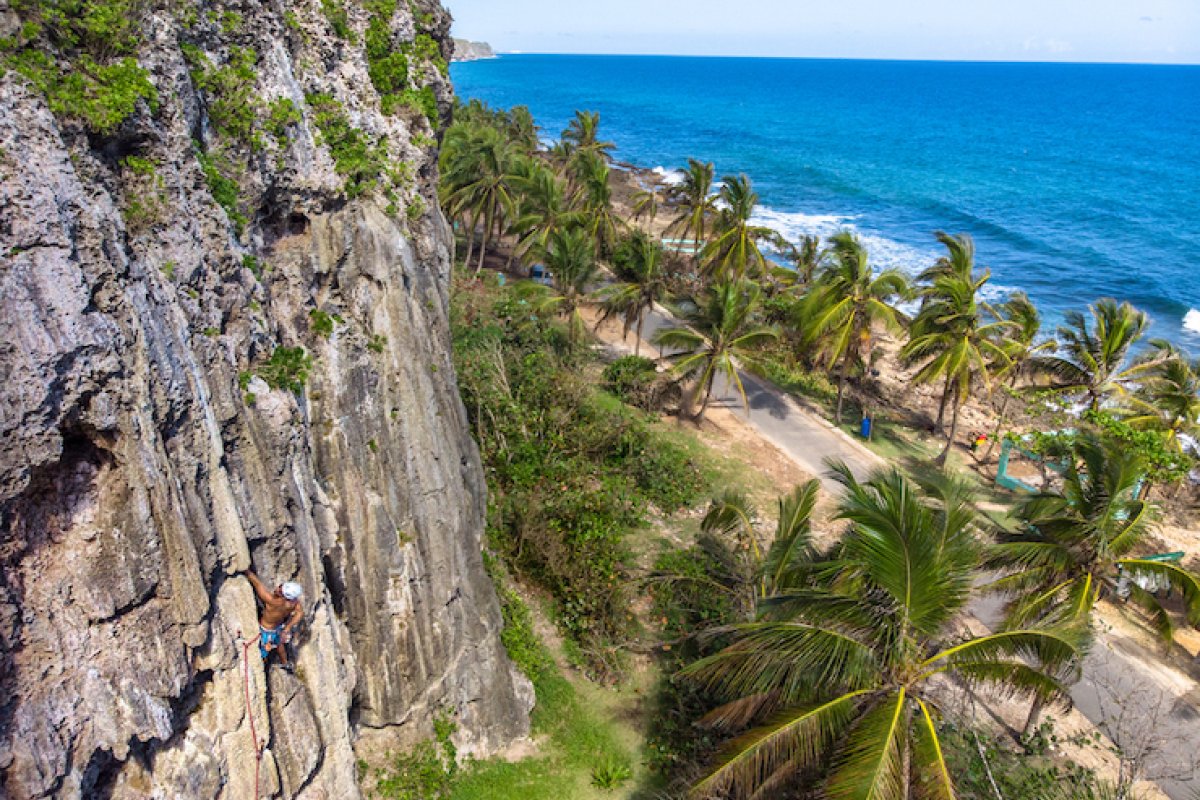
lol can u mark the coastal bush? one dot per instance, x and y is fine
(632, 379)
(225, 190)
(81, 55)
(571, 470)
(335, 13)
(287, 368)
(976, 759)
(233, 105)
(355, 156)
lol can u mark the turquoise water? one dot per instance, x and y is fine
(1077, 181)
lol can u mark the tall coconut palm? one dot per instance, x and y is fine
(1093, 360)
(718, 330)
(694, 198)
(950, 338)
(595, 200)
(846, 302)
(1076, 545)
(583, 135)
(522, 130)
(543, 209)
(1168, 398)
(846, 669)
(807, 258)
(733, 252)
(1020, 344)
(641, 282)
(477, 185)
(572, 260)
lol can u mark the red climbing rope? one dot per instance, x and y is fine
(258, 750)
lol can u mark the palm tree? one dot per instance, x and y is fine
(719, 330)
(477, 167)
(846, 667)
(595, 199)
(1021, 348)
(733, 252)
(847, 301)
(1091, 359)
(641, 282)
(1076, 545)
(949, 337)
(645, 204)
(693, 197)
(1168, 399)
(522, 130)
(571, 259)
(807, 258)
(582, 135)
(543, 209)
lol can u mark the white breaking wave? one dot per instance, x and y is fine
(671, 177)
(885, 253)
(1191, 321)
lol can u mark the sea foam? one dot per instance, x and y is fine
(1191, 321)
(671, 177)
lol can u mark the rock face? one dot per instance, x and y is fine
(146, 461)
(472, 51)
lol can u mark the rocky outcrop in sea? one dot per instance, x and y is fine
(472, 51)
(224, 344)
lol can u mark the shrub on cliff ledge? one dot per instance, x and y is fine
(355, 156)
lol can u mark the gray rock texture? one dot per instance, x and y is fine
(146, 462)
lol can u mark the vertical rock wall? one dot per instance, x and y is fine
(146, 462)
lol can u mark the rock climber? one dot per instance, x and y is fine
(281, 611)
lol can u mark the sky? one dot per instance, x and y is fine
(1153, 31)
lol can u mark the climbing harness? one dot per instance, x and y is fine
(258, 746)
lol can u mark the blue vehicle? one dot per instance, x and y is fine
(539, 274)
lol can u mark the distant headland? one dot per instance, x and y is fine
(472, 51)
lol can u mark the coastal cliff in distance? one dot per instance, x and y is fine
(224, 344)
(472, 51)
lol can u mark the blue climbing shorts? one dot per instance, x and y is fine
(268, 638)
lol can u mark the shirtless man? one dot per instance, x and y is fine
(281, 611)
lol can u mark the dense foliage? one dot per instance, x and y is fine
(571, 470)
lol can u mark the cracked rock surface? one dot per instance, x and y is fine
(146, 461)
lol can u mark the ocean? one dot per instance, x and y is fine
(1077, 181)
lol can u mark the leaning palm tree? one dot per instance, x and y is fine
(594, 197)
(641, 283)
(571, 259)
(950, 338)
(733, 252)
(645, 204)
(1093, 360)
(1076, 545)
(719, 330)
(846, 669)
(806, 258)
(847, 301)
(693, 197)
(1168, 399)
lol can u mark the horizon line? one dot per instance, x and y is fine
(919, 60)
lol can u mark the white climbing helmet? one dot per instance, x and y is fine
(292, 590)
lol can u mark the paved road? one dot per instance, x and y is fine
(1116, 674)
(805, 437)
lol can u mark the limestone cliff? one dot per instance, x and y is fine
(224, 343)
(465, 50)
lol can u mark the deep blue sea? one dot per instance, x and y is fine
(1077, 181)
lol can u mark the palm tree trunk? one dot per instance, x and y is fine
(841, 393)
(487, 231)
(637, 342)
(941, 420)
(941, 459)
(469, 231)
(999, 427)
(708, 384)
(1035, 713)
